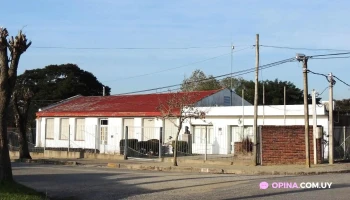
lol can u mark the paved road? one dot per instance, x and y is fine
(102, 183)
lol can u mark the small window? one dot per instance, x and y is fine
(104, 122)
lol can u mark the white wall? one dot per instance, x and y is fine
(221, 118)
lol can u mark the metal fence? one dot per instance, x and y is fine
(202, 142)
(13, 140)
(341, 142)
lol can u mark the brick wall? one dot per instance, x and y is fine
(282, 145)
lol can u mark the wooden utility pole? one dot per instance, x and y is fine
(255, 129)
(330, 111)
(306, 113)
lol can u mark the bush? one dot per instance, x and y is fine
(182, 146)
(247, 145)
(150, 147)
(132, 143)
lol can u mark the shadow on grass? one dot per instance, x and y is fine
(14, 191)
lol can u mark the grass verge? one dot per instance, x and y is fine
(16, 191)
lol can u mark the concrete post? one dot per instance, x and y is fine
(206, 142)
(126, 144)
(160, 142)
(68, 137)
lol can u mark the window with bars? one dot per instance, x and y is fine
(199, 134)
(64, 129)
(49, 128)
(80, 130)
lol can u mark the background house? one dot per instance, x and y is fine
(98, 122)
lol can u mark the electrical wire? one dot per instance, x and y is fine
(322, 91)
(169, 69)
(333, 54)
(341, 81)
(238, 73)
(333, 57)
(131, 48)
(318, 74)
(301, 48)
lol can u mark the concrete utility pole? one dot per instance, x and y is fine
(304, 59)
(284, 101)
(255, 129)
(314, 123)
(330, 111)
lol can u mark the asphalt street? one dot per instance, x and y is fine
(79, 182)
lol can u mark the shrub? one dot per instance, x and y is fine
(132, 143)
(150, 147)
(247, 145)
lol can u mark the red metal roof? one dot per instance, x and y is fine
(116, 106)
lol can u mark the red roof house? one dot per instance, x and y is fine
(118, 106)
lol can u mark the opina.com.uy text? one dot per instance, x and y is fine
(307, 185)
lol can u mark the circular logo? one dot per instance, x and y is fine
(264, 185)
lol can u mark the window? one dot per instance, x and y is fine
(130, 124)
(80, 130)
(64, 129)
(200, 132)
(49, 129)
(103, 131)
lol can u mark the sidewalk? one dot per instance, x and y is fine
(144, 164)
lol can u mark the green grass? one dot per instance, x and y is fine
(15, 191)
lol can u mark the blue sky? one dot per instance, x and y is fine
(184, 23)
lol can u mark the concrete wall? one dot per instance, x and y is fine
(65, 154)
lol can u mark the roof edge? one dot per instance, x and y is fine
(60, 102)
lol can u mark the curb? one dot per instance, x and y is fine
(43, 161)
(218, 171)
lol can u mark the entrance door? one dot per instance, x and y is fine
(103, 135)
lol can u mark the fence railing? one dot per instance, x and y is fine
(341, 142)
(202, 143)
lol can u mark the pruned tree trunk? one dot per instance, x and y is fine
(23, 143)
(5, 162)
(21, 116)
(176, 144)
(8, 74)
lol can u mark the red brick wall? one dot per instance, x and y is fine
(282, 145)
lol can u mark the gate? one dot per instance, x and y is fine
(341, 141)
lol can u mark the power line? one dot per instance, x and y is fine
(242, 72)
(131, 48)
(318, 74)
(333, 57)
(322, 91)
(169, 69)
(301, 48)
(341, 80)
(333, 54)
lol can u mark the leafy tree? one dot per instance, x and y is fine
(41, 87)
(195, 82)
(8, 74)
(342, 105)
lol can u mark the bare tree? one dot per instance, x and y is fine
(8, 74)
(179, 106)
(21, 100)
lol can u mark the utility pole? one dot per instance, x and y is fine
(304, 59)
(284, 104)
(330, 111)
(255, 129)
(232, 47)
(263, 103)
(314, 123)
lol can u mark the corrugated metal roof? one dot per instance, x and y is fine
(123, 105)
